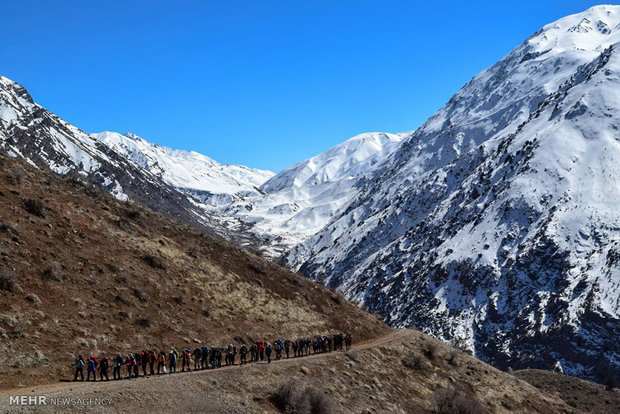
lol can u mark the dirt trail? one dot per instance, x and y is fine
(85, 386)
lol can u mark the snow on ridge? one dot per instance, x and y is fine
(185, 170)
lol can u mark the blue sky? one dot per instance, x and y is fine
(260, 83)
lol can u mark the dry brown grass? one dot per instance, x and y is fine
(123, 288)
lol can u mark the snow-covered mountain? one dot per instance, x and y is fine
(496, 225)
(126, 166)
(188, 171)
(301, 199)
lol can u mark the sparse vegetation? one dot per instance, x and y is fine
(139, 294)
(54, 272)
(431, 350)
(8, 280)
(414, 360)
(193, 252)
(289, 399)
(15, 176)
(154, 261)
(455, 400)
(454, 358)
(134, 214)
(34, 207)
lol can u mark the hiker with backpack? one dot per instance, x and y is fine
(161, 362)
(253, 352)
(268, 350)
(79, 368)
(186, 360)
(348, 340)
(152, 358)
(197, 354)
(91, 368)
(243, 352)
(118, 363)
(129, 364)
(287, 347)
(205, 357)
(137, 362)
(172, 360)
(144, 358)
(278, 350)
(103, 368)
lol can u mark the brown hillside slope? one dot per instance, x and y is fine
(377, 376)
(81, 272)
(583, 395)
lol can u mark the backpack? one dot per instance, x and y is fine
(79, 363)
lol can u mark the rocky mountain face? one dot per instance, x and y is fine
(495, 226)
(123, 165)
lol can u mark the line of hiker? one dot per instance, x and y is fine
(205, 357)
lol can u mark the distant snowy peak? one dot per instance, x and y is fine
(188, 171)
(352, 158)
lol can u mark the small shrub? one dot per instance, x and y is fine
(144, 322)
(134, 214)
(454, 358)
(193, 252)
(414, 360)
(154, 261)
(54, 272)
(316, 402)
(284, 396)
(124, 225)
(8, 280)
(121, 280)
(34, 207)
(206, 311)
(431, 350)
(122, 300)
(452, 400)
(139, 294)
(15, 176)
(8, 229)
(287, 398)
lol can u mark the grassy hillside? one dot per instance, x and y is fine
(81, 272)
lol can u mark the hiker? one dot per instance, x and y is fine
(91, 368)
(129, 364)
(348, 340)
(253, 352)
(137, 361)
(118, 363)
(172, 360)
(268, 352)
(184, 361)
(79, 368)
(287, 347)
(103, 368)
(152, 361)
(144, 356)
(242, 354)
(278, 350)
(161, 362)
(197, 357)
(261, 349)
(204, 358)
(295, 345)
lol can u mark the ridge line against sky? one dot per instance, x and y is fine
(260, 83)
